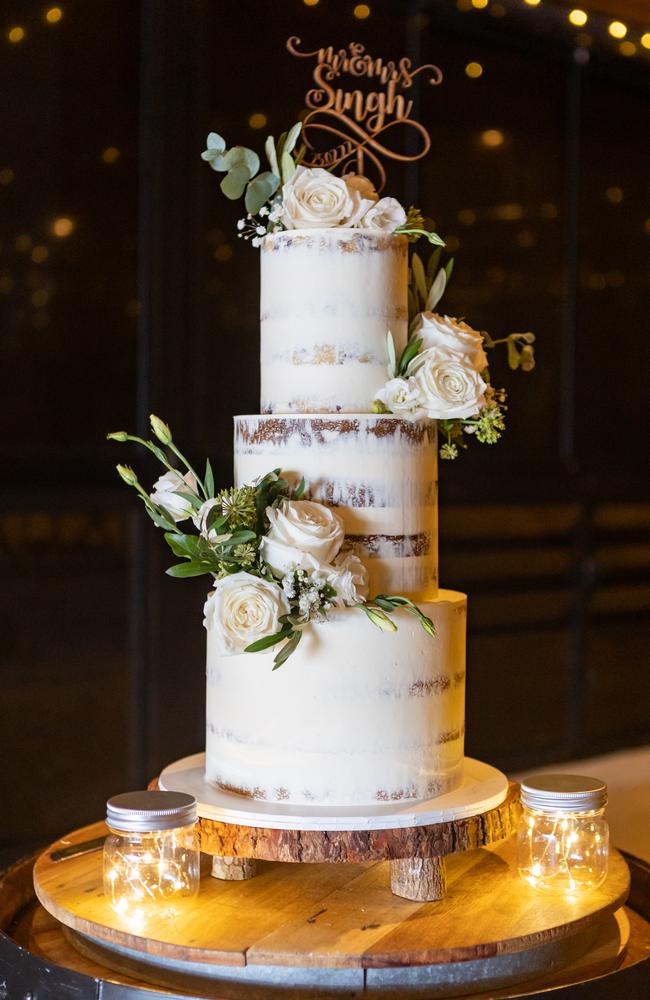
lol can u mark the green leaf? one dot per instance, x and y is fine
(269, 640)
(209, 479)
(302, 152)
(289, 647)
(271, 155)
(292, 137)
(194, 501)
(186, 546)
(513, 354)
(413, 304)
(235, 181)
(299, 490)
(279, 146)
(240, 156)
(449, 267)
(392, 360)
(187, 569)
(384, 603)
(433, 263)
(288, 165)
(411, 350)
(419, 278)
(437, 290)
(379, 407)
(260, 190)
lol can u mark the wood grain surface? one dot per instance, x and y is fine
(340, 916)
(336, 846)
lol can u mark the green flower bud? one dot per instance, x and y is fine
(381, 620)
(160, 429)
(117, 436)
(127, 474)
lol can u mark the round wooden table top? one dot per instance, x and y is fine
(338, 916)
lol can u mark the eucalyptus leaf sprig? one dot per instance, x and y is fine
(416, 227)
(379, 609)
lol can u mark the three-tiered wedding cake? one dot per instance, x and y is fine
(356, 715)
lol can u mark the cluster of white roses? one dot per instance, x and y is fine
(314, 198)
(304, 540)
(443, 381)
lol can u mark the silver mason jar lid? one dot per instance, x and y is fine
(144, 812)
(573, 792)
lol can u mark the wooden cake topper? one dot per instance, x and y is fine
(359, 123)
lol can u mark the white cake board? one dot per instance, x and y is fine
(483, 788)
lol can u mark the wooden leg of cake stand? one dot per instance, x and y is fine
(233, 869)
(421, 879)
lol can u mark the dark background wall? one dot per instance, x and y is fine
(144, 300)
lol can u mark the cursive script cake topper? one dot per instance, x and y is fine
(355, 120)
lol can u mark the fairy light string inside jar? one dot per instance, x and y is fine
(151, 856)
(563, 837)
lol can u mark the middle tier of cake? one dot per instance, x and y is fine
(378, 472)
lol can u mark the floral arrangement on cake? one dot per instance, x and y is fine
(443, 372)
(275, 557)
(292, 196)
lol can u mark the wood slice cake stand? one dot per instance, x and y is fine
(414, 837)
(323, 929)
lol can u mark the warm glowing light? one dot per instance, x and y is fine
(361, 11)
(467, 217)
(533, 3)
(40, 253)
(614, 195)
(16, 34)
(645, 40)
(646, 226)
(257, 120)
(617, 29)
(310, 3)
(6, 283)
(464, 5)
(492, 138)
(6, 175)
(53, 15)
(110, 155)
(509, 212)
(23, 243)
(40, 298)
(627, 48)
(223, 252)
(479, 4)
(526, 239)
(497, 10)
(62, 227)
(452, 244)
(548, 210)
(578, 17)
(474, 70)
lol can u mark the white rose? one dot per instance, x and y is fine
(386, 215)
(307, 526)
(445, 331)
(165, 494)
(349, 577)
(448, 384)
(362, 195)
(401, 395)
(315, 199)
(243, 608)
(281, 557)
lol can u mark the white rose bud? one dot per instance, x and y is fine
(362, 195)
(385, 216)
(165, 494)
(402, 396)
(349, 577)
(454, 334)
(307, 526)
(448, 384)
(242, 609)
(315, 199)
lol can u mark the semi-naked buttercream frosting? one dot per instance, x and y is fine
(328, 298)
(378, 472)
(355, 716)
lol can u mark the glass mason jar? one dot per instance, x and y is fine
(151, 856)
(563, 837)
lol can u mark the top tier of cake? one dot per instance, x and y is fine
(328, 299)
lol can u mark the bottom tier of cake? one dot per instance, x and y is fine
(355, 716)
